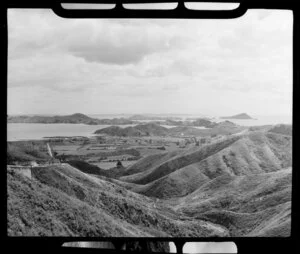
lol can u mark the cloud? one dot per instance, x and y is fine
(171, 87)
(184, 64)
(59, 72)
(111, 54)
(118, 44)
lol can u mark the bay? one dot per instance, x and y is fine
(35, 131)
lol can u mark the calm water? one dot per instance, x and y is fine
(260, 120)
(23, 131)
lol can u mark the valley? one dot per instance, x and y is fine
(230, 181)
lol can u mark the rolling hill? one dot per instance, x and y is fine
(153, 173)
(250, 205)
(64, 201)
(149, 129)
(243, 184)
(154, 129)
(238, 186)
(245, 187)
(74, 118)
(180, 174)
(20, 152)
(198, 122)
(285, 129)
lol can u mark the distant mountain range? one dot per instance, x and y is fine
(74, 119)
(238, 116)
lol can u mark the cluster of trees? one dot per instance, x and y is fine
(194, 140)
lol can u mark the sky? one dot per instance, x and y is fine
(126, 66)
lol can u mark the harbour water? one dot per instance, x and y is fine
(34, 131)
(25, 131)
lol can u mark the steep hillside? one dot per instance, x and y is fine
(176, 184)
(95, 170)
(178, 176)
(19, 152)
(87, 168)
(258, 204)
(177, 162)
(63, 201)
(150, 161)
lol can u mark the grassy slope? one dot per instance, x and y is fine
(149, 129)
(252, 154)
(245, 187)
(178, 162)
(285, 129)
(152, 129)
(65, 201)
(87, 168)
(237, 186)
(23, 153)
(179, 183)
(248, 205)
(220, 129)
(150, 161)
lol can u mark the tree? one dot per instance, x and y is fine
(119, 164)
(62, 157)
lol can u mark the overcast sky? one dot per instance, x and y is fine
(218, 67)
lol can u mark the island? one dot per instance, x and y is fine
(153, 129)
(242, 116)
